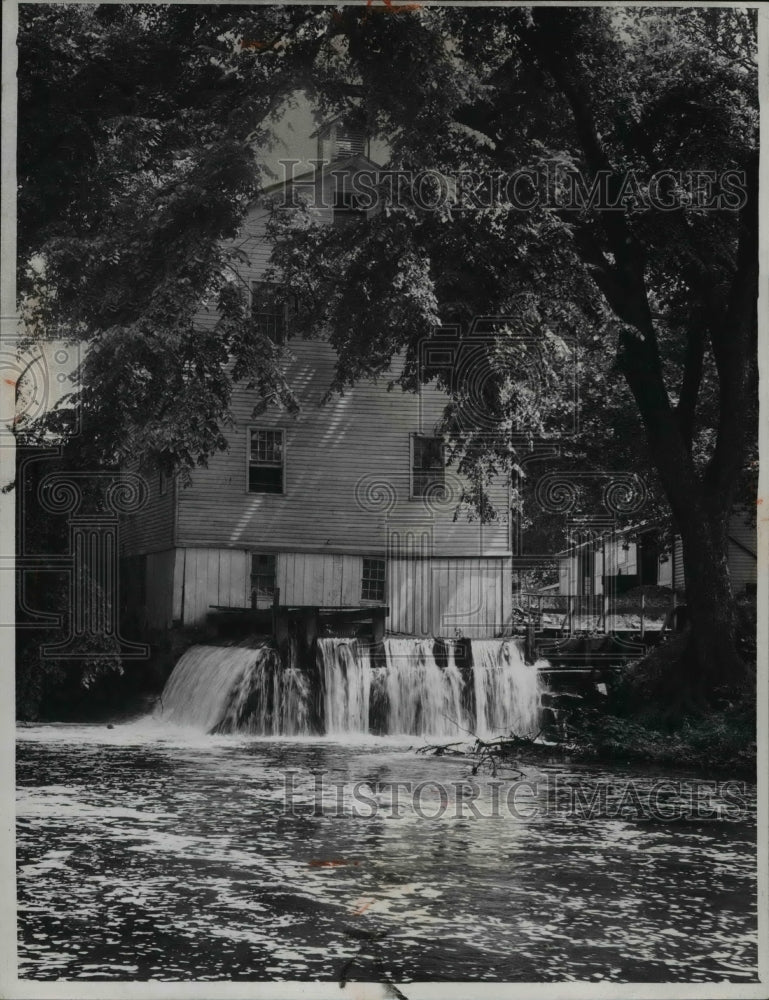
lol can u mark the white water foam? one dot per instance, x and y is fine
(422, 698)
(233, 689)
(507, 689)
(346, 672)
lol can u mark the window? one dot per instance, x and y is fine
(373, 581)
(265, 462)
(347, 207)
(162, 483)
(262, 579)
(428, 472)
(269, 308)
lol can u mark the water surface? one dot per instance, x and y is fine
(145, 853)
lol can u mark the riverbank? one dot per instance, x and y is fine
(658, 713)
(722, 741)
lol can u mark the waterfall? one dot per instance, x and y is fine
(405, 686)
(422, 697)
(506, 689)
(230, 688)
(346, 673)
(411, 693)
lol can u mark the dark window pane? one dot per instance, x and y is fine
(428, 472)
(265, 469)
(265, 479)
(263, 563)
(428, 453)
(429, 484)
(267, 447)
(262, 579)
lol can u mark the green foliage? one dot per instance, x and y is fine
(723, 741)
(140, 129)
(137, 140)
(552, 91)
(136, 167)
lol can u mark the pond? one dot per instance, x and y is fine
(146, 853)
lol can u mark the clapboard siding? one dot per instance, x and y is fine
(679, 579)
(150, 529)
(335, 453)
(347, 485)
(345, 460)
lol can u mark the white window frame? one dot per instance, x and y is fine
(250, 430)
(373, 600)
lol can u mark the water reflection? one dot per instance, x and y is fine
(144, 855)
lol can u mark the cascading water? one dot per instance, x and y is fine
(421, 697)
(230, 688)
(403, 689)
(346, 678)
(507, 690)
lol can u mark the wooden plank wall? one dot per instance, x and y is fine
(743, 565)
(211, 577)
(325, 580)
(207, 577)
(439, 596)
(425, 596)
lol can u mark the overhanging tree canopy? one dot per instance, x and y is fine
(663, 299)
(662, 303)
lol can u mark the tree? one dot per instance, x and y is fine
(158, 172)
(628, 99)
(137, 131)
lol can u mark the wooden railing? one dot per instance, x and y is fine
(604, 613)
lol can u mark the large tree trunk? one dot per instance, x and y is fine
(701, 502)
(715, 661)
(701, 515)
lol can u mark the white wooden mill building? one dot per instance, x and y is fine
(344, 504)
